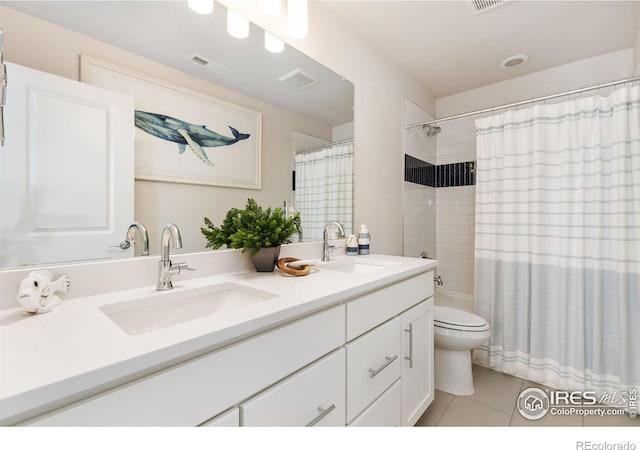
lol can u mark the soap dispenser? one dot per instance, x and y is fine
(363, 240)
(352, 246)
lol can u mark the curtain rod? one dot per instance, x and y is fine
(318, 147)
(524, 102)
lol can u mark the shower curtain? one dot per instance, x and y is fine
(324, 188)
(557, 242)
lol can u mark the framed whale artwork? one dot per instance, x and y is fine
(183, 136)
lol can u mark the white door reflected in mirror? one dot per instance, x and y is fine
(66, 171)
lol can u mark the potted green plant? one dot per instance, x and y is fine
(259, 231)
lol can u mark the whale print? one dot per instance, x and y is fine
(185, 134)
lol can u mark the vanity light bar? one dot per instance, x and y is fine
(238, 26)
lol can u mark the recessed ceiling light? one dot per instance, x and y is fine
(514, 60)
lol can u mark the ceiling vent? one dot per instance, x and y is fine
(479, 6)
(206, 63)
(299, 79)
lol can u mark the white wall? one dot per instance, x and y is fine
(455, 206)
(342, 132)
(378, 110)
(418, 201)
(44, 46)
(584, 73)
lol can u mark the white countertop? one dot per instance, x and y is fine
(48, 360)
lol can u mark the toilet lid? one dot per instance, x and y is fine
(445, 317)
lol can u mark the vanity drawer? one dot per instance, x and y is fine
(373, 364)
(317, 391)
(193, 392)
(385, 411)
(372, 309)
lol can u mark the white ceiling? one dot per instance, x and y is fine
(168, 32)
(449, 50)
(440, 43)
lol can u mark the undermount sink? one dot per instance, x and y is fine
(360, 266)
(160, 310)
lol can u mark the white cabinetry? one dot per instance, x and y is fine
(365, 362)
(417, 363)
(193, 392)
(400, 351)
(229, 418)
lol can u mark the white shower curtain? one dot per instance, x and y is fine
(324, 188)
(557, 242)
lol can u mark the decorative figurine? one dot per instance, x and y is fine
(37, 292)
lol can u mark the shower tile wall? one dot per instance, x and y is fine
(455, 207)
(419, 201)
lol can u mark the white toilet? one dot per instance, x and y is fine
(456, 333)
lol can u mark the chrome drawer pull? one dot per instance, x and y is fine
(410, 357)
(323, 414)
(373, 373)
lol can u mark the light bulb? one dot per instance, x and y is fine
(298, 18)
(237, 26)
(272, 43)
(201, 6)
(270, 7)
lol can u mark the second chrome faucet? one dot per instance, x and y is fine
(170, 238)
(325, 238)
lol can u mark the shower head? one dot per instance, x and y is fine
(432, 130)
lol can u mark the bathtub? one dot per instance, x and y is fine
(454, 299)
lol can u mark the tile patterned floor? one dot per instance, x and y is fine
(494, 404)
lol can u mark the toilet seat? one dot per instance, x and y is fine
(458, 320)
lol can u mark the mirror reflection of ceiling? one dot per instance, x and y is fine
(170, 33)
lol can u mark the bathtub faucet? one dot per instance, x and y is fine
(438, 281)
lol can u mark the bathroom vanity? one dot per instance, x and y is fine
(349, 344)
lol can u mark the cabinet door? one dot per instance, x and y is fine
(66, 171)
(417, 362)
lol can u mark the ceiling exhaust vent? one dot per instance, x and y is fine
(299, 79)
(206, 63)
(479, 6)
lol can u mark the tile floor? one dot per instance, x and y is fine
(494, 404)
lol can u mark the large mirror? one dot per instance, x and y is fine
(167, 41)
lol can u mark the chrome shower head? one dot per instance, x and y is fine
(432, 130)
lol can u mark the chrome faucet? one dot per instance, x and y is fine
(325, 240)
(170, 237)
(144, 236)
